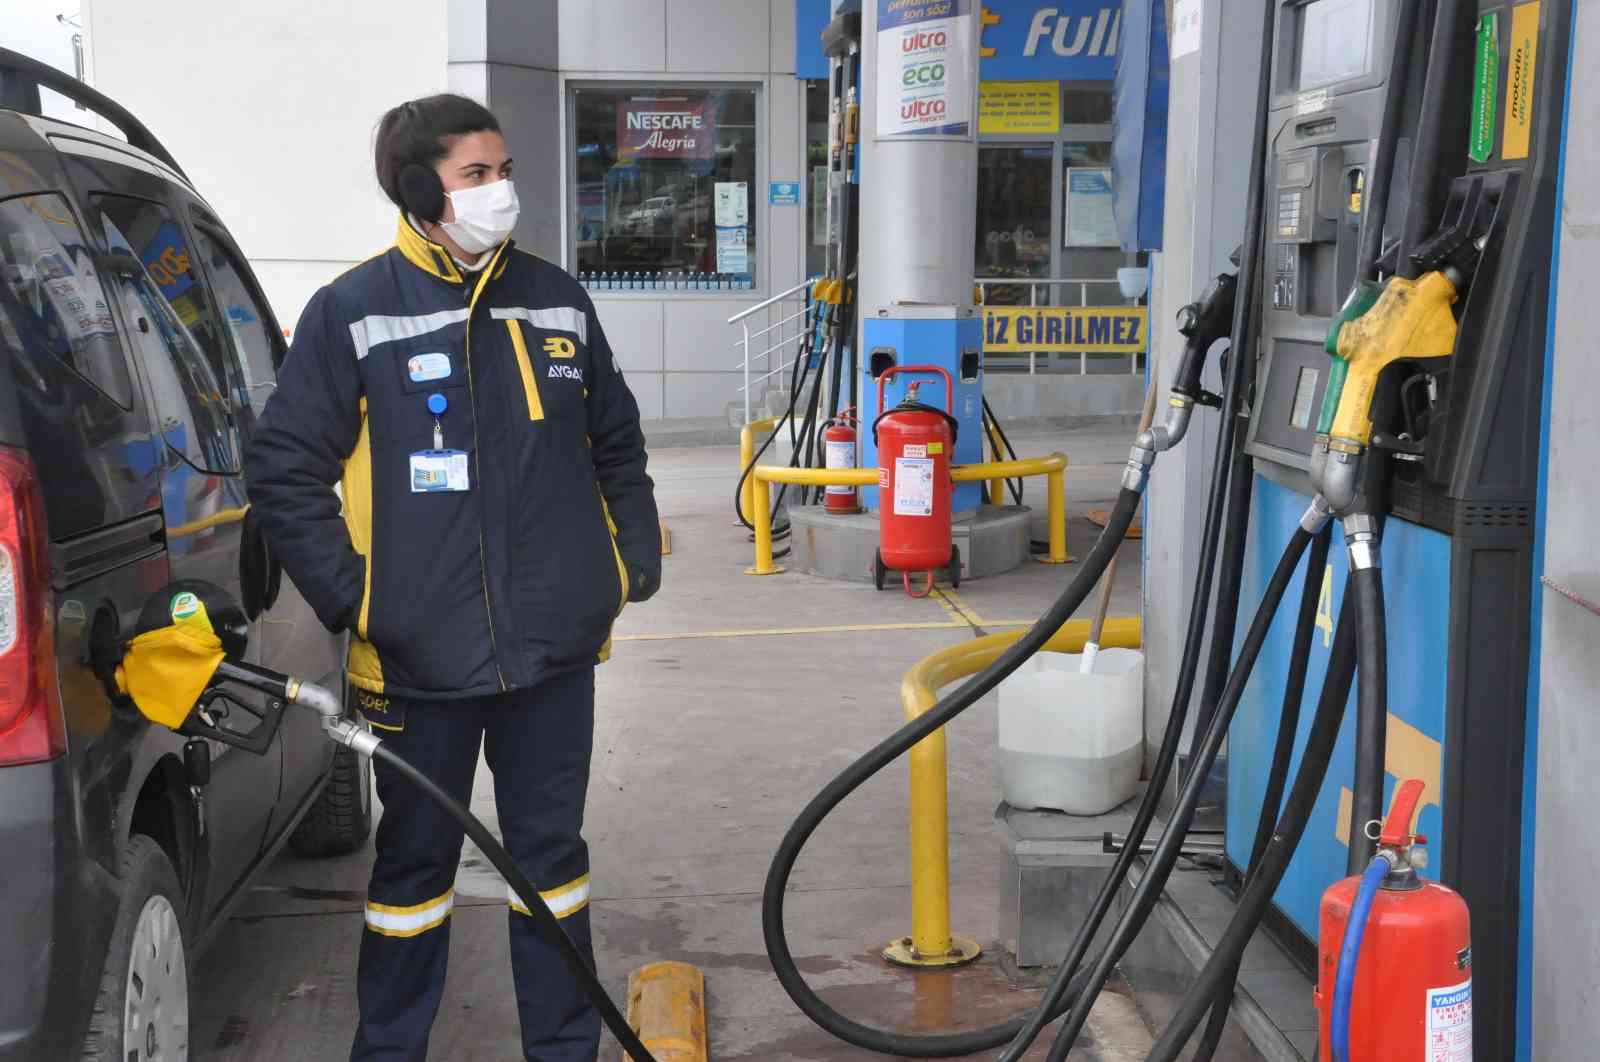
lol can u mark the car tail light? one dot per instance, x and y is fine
(31, 725)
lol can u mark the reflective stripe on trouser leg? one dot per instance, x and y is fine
(538, 743)
(405, 940)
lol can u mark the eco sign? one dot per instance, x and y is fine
(925, 68)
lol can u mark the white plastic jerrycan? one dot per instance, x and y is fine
(1069, 741)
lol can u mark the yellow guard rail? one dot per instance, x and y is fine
(1053, 467)
(931, 943)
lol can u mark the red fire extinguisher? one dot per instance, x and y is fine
(1394, 970)
(915, 442)
(839, 451)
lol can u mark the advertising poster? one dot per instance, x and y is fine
(1029, 108)
(1090, 220)
(733, 250)
(732, 204)
(662, 128)
(925, 68)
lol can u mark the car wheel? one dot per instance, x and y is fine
(142, 1011)
(340, 820)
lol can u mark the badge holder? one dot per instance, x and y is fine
(440, 471)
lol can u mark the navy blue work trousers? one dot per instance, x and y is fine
(538, 743)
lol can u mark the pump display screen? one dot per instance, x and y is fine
(1335, 41)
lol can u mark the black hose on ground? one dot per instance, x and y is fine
(1372, 709)
(544, 922)
(1225, 958)
(1002, 446)
(1294, 689)
(798, 374)
(885, 753)
(1159, 867)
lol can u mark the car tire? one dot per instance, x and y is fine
(142, 1011)
(341, 818)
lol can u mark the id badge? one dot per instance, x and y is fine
(439, 471)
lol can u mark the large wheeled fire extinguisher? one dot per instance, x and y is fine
(915, 441)
(1394, 970)
(839, 451)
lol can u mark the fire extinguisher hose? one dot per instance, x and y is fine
(1217, 976)
(1350, 953)
(544, 922)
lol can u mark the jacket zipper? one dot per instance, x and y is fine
(472, 401)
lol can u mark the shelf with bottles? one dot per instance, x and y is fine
(664, 281)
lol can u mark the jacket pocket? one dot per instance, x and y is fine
(530, 382)
(623, 581)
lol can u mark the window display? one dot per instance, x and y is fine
(663, 190)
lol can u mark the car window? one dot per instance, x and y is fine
(153, 235)
(192, 411)
(259, 348)
(49, 270)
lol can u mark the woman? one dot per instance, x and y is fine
(496, 515)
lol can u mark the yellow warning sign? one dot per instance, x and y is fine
(1524, 53)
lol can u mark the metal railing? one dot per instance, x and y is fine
(1083, 284)
(799, 293)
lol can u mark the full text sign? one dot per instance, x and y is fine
(1065, 329)
(1019, 40)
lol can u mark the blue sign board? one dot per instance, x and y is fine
(783, 193)
(1021, 40)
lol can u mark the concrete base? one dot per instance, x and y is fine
(994, 540)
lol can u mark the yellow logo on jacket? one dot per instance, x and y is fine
(560, 347)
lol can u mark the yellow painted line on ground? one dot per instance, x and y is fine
(779, 632)
(962, 609)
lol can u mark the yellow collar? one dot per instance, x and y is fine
(426, 255)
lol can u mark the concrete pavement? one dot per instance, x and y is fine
(716, 722)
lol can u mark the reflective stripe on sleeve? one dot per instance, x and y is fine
(567, 900)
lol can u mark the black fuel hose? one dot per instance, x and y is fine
(544, 922)
(886, 752)
(1372, 710)
(1253, 903)
(1294, 689)
(1376, 214)
(1161, 862)
(798, 374)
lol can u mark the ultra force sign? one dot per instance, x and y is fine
(1064, 329)
(925, 67)
(665, 129)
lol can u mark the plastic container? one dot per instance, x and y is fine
(1068, 741)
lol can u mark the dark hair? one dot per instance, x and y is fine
(420, 132)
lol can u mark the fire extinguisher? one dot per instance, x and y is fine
(915, 442)
(1394, 970)
(839, 451)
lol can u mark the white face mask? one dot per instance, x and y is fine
(485, 216)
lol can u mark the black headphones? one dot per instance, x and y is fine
(422, 192)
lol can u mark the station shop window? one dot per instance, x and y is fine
(665, 196)
(1014, 210)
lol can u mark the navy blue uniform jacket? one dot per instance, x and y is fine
(462, 593)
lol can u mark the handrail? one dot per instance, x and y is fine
(1054, 467)
(928, 825)
(774, 326)
(781, 296)
(1045, 280)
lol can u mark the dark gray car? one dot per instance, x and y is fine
(135, 353)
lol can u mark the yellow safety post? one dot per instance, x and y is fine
(931, 942)
(1058, 519)
(747, 453)
(667, 1009)
(762, 500)
(1054, 468)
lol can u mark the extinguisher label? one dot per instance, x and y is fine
(914, 450)
(1449, 1028)
(913, 486)
(840, 455)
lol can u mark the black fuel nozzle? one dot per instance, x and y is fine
(1203, 323)
(1456, 246)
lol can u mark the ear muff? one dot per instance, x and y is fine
(422, 192)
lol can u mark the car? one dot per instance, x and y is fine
(136, 351)
(652, 215)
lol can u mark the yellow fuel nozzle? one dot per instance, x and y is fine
(1411, 321)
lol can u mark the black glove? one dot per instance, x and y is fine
(641, 586)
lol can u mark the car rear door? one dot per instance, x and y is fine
(203, 411)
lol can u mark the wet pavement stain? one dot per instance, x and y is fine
(235, 1030)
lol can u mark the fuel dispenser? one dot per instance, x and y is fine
(1409, 394)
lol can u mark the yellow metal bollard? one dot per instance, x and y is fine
(931, 942)
(761, 500)
(747, 453)
(1058, 518)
